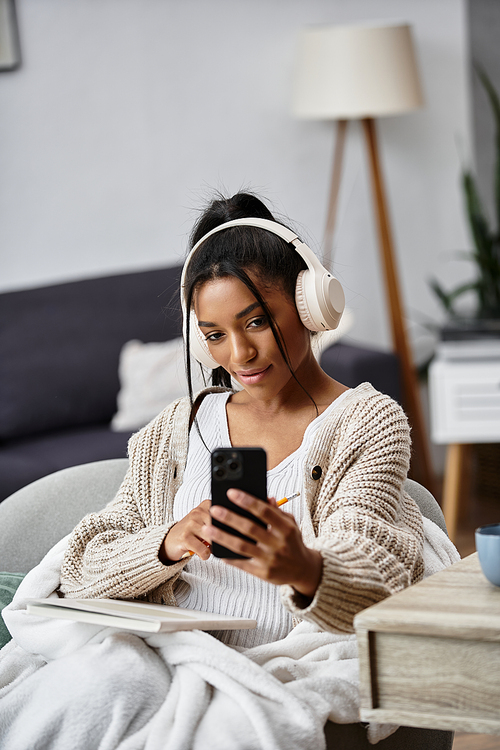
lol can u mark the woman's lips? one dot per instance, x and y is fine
(253, 376)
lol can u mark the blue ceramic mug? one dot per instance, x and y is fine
(488, 550)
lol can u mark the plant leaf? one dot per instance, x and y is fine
(477, 220)
(495, 106)
(442, 296)
(447, 299)
(469, 286)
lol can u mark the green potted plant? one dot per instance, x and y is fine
(486, 253)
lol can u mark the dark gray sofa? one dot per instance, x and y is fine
(59, 353)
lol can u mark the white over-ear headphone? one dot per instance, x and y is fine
(318, 295)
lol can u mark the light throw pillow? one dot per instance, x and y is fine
(151, 377)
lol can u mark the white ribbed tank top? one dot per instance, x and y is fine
(212, 585)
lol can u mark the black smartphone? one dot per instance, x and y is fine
(244, 469)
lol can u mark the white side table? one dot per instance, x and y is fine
(464, 393)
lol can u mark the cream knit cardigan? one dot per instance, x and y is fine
(368, 530)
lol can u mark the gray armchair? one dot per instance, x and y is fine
(34, 518)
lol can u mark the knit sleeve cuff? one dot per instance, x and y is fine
(152, 568)
(124, 568)
(345, 588)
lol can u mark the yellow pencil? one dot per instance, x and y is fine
(190, 552)
(286, 499)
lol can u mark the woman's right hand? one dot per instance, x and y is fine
(185, 536)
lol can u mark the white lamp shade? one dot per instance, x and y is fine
(347, 72)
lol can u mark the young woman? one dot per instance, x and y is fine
(352, 537)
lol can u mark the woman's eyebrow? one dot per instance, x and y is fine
(207, 324)
(247, 310)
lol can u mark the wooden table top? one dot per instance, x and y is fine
(457, 602)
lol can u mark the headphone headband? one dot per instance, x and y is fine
(272, 226)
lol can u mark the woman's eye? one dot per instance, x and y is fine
(213, 336)
(258, 322)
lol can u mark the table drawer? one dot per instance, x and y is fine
(442, 683)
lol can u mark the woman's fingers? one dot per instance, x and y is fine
(278, 554)
(271, 536)
(233, 542)
(239, 523)
(187, 536)
(268, 512)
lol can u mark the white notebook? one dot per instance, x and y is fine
(133, 615)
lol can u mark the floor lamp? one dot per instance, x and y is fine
(360, 73)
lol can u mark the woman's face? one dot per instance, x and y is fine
(240, 338)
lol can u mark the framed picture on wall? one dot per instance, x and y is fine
(10, 50)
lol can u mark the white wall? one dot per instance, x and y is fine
(126, 112)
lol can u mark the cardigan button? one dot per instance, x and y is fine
(317, 472)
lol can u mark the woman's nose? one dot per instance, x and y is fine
(242, 350)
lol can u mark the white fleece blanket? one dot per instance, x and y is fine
(73, 685)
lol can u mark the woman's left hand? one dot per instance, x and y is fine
(279, 555)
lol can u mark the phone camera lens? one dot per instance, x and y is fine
(220, 473)
(219, 458)
(234, 465)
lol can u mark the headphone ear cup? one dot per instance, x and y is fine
(320, 300)
(301, 303)
(198, 345)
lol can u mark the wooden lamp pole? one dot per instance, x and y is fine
(358, 72)
(421, 454)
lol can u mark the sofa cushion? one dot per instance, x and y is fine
(22, 461)
(60, 345)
